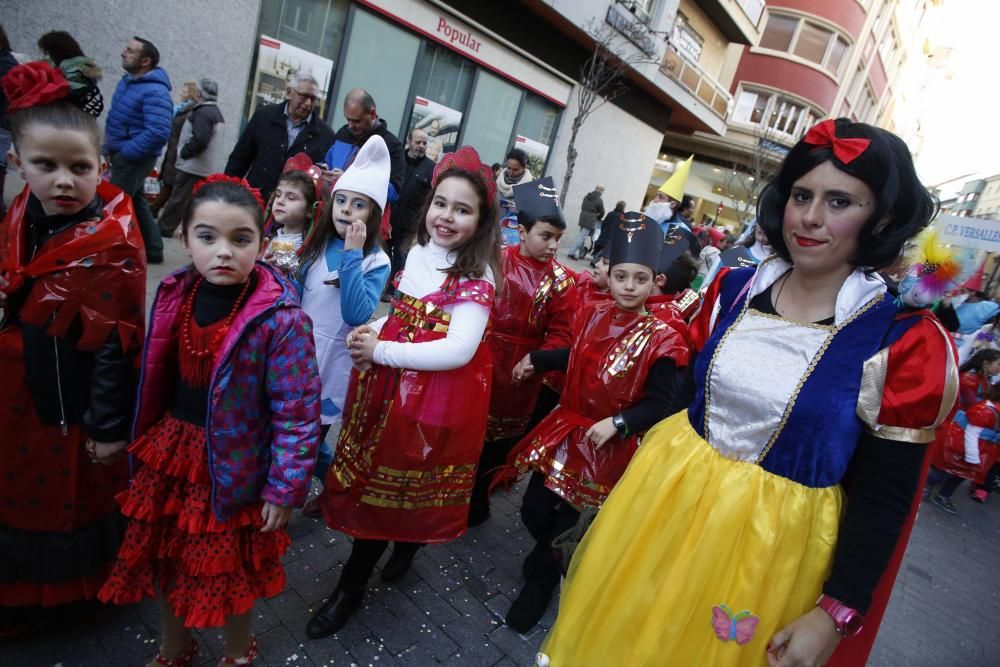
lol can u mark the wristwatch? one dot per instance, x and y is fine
(847, 621)
(619, 423)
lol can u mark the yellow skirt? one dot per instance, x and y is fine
(683, 533)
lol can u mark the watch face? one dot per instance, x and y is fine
(853, 624)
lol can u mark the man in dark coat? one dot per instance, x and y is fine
(362, 122)
(416, 186)
(591, 211)
(276, 132)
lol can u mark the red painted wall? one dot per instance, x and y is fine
(783, 74)
(848, 14)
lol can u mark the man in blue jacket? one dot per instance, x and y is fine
(138, 127)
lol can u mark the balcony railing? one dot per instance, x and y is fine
(697, 82)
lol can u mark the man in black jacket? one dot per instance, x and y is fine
(363, 122)
(416, 185)
(278, 131)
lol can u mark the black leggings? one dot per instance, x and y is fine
(546, 516)
(364, 556)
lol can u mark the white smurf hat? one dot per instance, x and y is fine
(369, 173)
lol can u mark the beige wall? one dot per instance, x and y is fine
(988, 205)
(713, 54)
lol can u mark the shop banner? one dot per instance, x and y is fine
(537, 154)
(276, 62)
(441, 124)
(970, 232)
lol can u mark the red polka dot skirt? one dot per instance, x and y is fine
(207, 569)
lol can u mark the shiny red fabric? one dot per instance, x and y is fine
(534, 311)
(93, 271)
(407, 454)
(674, 311)
(948, 450)
(175, 545)
(971, 385)
(587, 292)
(609, 363)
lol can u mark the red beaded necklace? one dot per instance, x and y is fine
(200, 344)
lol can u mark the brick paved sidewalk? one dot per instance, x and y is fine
(449, 608)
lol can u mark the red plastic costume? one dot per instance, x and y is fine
(948, 450)
(208, 569)
(408, 449)
(971, 385)
(587, 292)
(675, 310)
(535, 311)
(88, 280)
(608, 365)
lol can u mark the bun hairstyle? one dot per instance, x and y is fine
(38, 93)
(875, 156)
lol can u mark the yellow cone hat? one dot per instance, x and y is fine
(674, 186)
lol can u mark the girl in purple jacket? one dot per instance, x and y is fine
(225, 430)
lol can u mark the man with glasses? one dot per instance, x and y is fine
(278, 131)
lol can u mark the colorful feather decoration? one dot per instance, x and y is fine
(933, 269)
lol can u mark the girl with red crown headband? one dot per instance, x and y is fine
(415, 414)
(72, 288)
(753, 544)
(225, 432)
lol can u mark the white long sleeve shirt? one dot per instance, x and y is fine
(423, 275)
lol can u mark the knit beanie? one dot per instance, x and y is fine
(209, 89)
(369, 173)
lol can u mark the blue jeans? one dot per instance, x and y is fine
(581, 240)
(324, 459)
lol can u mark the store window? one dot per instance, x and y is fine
(750, 107)
(491, 117)
(296, 35)
(442, 84)
(384, 72)
(536, 131)
(804, 39)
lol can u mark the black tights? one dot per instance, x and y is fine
(546, 516)
(364, 556)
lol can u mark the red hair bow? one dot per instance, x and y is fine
(824, 135)
(222, 178)
(467, 158)
(33, 84)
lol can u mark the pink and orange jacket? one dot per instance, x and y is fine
(263, 424)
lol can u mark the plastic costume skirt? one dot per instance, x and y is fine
(687, 541)
(175, 545)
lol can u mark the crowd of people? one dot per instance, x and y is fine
(726, 439)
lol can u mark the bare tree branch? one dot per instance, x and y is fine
(603, 78)
(747, 177)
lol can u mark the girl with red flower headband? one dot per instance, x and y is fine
(72, 290)
(226, 426)
(415, 414)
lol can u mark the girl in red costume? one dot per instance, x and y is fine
(72, 286)
(621, 372)
(415, 414)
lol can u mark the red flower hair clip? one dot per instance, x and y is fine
(33, 84)
(466, 158)
(222, 178)
(302, 162)
(823, 135)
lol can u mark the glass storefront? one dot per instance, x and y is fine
(415, 81)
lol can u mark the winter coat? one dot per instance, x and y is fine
(262, 429)
(200, 150)
(7, 61)
(168, 168)
(346, 146)
(140, 117)
(262, 149)
(591, 210)
(413, 194)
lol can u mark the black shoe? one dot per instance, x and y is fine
(529, 607)
(154, 259)
(334, 614)
(945, 504)
(398, 564)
